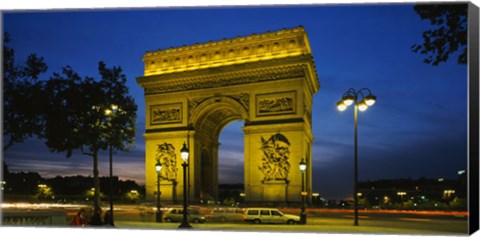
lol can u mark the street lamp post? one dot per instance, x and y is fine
(303, 214)
(109, 113)
(184, 152)
(158, 168)
(361, 102)
(111, 186)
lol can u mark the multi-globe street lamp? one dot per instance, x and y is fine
(158, 168)
(303, 214)
(361, 102)
(184, 152)
(110, 113)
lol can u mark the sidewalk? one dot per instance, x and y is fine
(324, 227)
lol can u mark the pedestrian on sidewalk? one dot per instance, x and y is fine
(96, 219)
(79, 219)
(108, 218)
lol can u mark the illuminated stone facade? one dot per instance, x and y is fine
(192, 92)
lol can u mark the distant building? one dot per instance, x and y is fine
(22, 183)
(408, 193)
(230, 192)
(25, 186)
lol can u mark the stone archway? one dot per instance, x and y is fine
(209, 116)
(193, 92)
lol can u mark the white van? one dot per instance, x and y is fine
(269, 215)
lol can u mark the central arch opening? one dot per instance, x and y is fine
(218, 124)
(231, 163)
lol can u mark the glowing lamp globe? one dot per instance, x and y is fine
(158, 167)
(184, 153)
(362, 106)
(370, 99)
(341, 106)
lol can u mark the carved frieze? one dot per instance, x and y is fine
(226, 79)
(275, 165)
(167, 158)
(276, 103)
(165, 113)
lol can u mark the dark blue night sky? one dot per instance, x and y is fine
(418, 127)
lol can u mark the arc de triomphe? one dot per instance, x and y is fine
(192, 92)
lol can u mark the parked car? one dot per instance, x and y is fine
(269, 215)
(175, 214)
(225, 215)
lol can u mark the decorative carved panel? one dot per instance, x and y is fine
(276, 103)
(165, 113)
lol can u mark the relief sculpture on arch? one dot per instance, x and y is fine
(275, 165)
(168, 160)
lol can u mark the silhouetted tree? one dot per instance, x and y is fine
(69, 111)
(22, 96)
(449, 35)
(77, 117)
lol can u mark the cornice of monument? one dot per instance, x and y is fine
(255, 47)
(258, 57)
(228, 42)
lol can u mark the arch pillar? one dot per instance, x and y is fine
(273, 152)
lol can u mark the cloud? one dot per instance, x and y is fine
(231, 136)
(230, 165)
(132, 170)
(231, 174)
